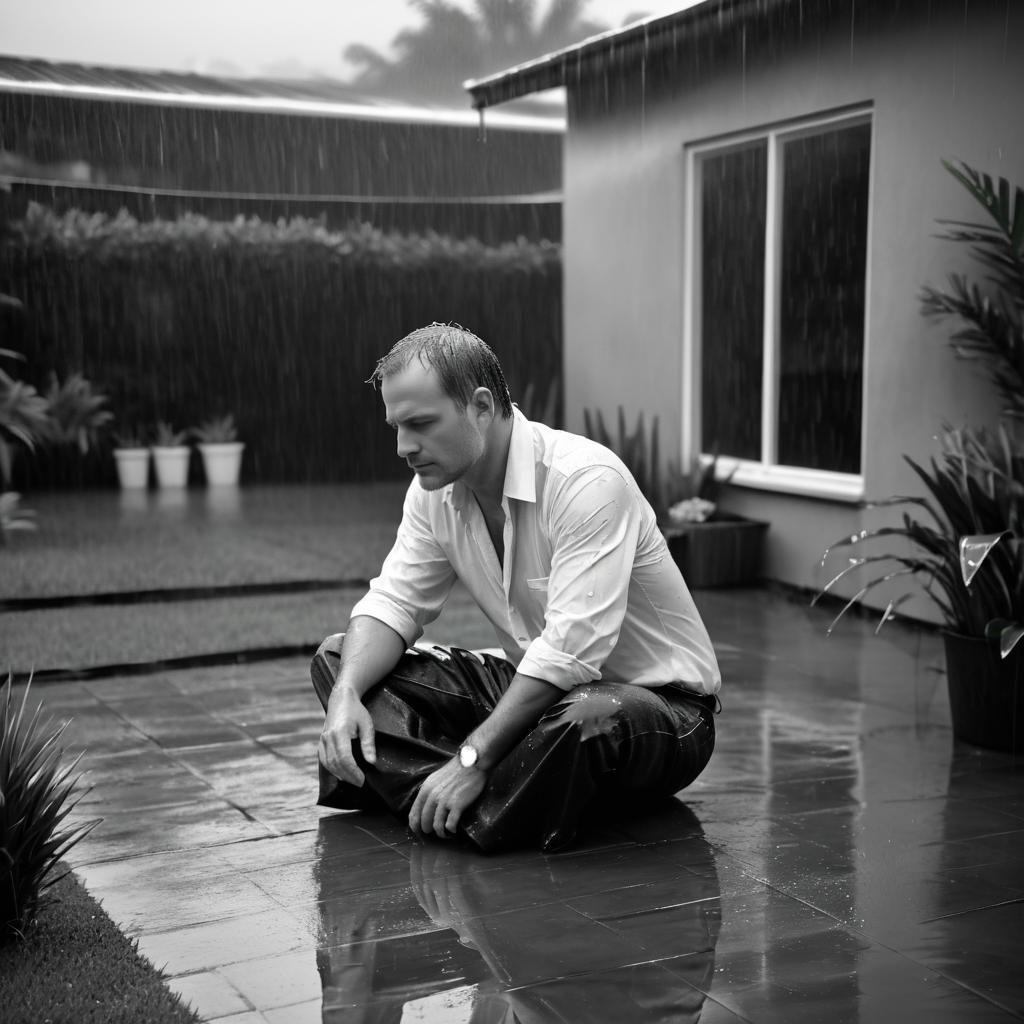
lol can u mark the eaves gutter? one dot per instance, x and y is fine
(628, 45)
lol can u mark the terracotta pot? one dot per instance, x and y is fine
(222, 462)
(171, 465)
(132, 468)
(986, 692)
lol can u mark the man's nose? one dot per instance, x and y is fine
(406, 444)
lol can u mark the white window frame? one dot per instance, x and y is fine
(765, 473)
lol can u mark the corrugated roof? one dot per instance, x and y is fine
(318, 97)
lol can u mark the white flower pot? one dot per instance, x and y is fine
(171, 465)
(222, 462)
(132, 468)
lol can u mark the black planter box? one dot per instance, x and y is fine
(724, 551)
(986, 693)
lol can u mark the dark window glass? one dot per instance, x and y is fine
(732, 300)
(821, 300)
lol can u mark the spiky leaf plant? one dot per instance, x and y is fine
(216, 430)
(165, 436)
(37, 792)
(639, 456)
(542, 409)
(968, 553)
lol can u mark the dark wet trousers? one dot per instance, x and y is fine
(601, 746)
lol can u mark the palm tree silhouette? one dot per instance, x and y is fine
(453, 44)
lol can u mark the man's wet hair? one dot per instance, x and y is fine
(463, 363)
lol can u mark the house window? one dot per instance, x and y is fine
(779, 255)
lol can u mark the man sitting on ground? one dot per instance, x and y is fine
(607, 690)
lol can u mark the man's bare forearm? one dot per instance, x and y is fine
(515, 714)
(448, 792)
(370, 651)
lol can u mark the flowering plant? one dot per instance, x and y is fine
(691, 510)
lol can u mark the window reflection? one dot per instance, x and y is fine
(821, 301)
(732, 299)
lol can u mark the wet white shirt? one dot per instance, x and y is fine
(588, 590)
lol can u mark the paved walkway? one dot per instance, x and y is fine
(841, 859)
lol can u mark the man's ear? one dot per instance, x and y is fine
(483, 401)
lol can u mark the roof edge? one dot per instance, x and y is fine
(271, 104)
(559, 68)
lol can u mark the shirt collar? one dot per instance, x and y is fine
(520, 467)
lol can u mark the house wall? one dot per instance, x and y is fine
(943, 81)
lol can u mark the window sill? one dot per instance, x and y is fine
(808, 483)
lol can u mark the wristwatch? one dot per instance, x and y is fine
(468, 755)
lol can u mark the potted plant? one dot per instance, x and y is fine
(131, 457)
(967, 551)
(712, 548)
(221, 450)
(24, 422)
(69, 415)
(77, 419)
(170, 456)
(24, 418)
(12, 516)
(967, 554)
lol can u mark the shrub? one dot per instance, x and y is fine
(277, 322)
(24, 419)
(76, 413)
(37, 793)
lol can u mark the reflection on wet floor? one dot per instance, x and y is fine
(841, 859)
(524, 937)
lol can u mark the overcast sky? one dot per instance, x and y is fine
(229, 36)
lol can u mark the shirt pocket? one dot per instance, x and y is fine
(540, 583)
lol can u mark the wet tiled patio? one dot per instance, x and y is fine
(842, 858)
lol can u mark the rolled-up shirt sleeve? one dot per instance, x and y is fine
(595, 526)
(416, 576)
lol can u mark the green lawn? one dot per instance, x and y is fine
(74, 967)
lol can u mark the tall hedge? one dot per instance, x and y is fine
(278, 323)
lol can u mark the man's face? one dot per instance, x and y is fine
(439, 441)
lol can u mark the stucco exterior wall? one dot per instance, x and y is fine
(938, 86)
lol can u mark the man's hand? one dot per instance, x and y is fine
(347, 720)
(444, 796)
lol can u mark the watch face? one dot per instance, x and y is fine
(467, 755)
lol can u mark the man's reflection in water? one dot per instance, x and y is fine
(448, 949)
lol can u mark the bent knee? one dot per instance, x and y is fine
(593, 709)
(331, 645)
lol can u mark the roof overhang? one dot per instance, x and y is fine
(624, 47)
